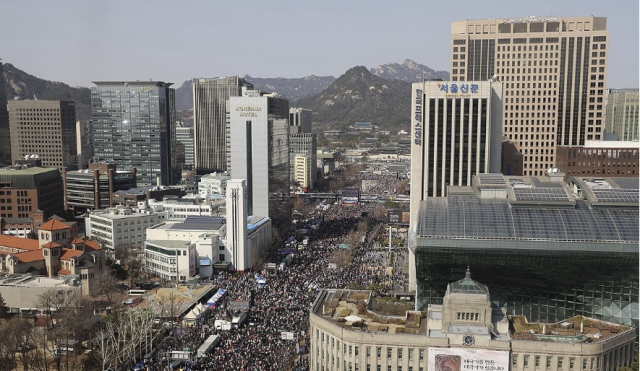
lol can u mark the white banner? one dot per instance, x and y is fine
(472, 359)
(287, 335)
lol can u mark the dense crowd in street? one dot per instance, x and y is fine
(282, 304)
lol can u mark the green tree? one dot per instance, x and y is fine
(633, 366)
(32, 235)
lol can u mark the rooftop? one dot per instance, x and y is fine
(601, 210)
(169, 244)
(468, 286)
(340, 307)
(577, 329)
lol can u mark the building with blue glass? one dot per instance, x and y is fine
(133, 126)
(548, 249)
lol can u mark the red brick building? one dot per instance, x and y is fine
(599, 158)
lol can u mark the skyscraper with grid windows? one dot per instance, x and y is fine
(210, 111)
(554, 71)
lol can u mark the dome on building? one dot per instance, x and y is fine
(468, 286)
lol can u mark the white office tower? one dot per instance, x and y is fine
(237, 224)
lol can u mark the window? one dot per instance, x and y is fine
(421, 354)
(399, 353)
(560, 359)
(368, 351)
(221, 257)
(514, 359)
(571, 363)
(526, 361)
(378, 352)
(537, 361)
(388, 352)
(410, 353)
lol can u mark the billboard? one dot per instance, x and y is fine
(458, 359)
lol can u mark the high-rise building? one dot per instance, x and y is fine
(456, 134)
(184, 135)
(44, 128)
(621, 115)
(303, 145)
(554, 72)
(133, 125)
(259, 128)
(5, 141)
(299, 120)
(210, 111)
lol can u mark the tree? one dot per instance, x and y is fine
(132, 262)
(381, 212)
(107, 285)
(633, 366)
(32, 235)
(3, 308)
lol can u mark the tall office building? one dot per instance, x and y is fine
(5, 142)
(456, 134)
(44, 128)
(299, 120)
(133, 125)
(554, 71)
(303, 155)
(184, 135)
(622, 113)
(259, 130)
(210, 111)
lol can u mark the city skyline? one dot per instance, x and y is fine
(330, 37)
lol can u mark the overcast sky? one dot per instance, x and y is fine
(79, 41)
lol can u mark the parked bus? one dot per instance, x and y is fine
(136, 292)
(209, 344)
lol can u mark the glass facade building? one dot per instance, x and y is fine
(133, 126)
(548, 250)
(259, 153)
(210, 116)
(622, 113)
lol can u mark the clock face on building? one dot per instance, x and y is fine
(468, 339)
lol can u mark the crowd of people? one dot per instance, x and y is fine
(282, 304)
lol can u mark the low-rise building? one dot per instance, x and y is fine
(27, 189)
(464, 331)
(119, 228)
(213, 184)
(58, 252)
(599, 158)
(171, 260)
(94, 188)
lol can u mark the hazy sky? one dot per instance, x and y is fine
(79, 41)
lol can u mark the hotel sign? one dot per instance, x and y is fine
(417, 126)
(528, 20)
(248, 111)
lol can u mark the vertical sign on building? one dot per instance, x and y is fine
(417, 126)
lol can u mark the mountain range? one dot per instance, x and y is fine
(378, 94)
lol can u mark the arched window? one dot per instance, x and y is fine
(42, 235)
(57, 236)
(64, 235)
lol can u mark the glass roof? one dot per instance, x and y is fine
(466, 216)
(467, 286)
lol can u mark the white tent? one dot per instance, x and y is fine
(352, 318)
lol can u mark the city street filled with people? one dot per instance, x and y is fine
(282, 303)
